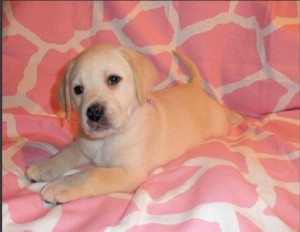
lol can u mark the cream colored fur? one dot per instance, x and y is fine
(143, 129)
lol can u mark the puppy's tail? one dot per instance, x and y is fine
(190, 67)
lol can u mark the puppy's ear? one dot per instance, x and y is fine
(144, 72)
(63, 94)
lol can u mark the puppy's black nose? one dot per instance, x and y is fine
(95, 112)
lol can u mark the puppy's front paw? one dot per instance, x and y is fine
(41, 171)
(60, 191)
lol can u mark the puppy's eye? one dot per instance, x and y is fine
(113, 80)
(78, 89)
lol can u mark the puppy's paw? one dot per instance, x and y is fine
(234, 118)
(41, 171)
(60, 191)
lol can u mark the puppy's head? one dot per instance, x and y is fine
(105, 84)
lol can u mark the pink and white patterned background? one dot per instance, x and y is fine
(248, 55)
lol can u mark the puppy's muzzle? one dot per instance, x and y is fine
(95, 112)
(96, 117)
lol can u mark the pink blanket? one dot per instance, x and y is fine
(248, 55)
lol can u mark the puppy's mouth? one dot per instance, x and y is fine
(98, 123)
(101, 125)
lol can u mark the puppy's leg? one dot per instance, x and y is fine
(93, 182)
(46, 170)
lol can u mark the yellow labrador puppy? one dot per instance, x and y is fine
(126, 130)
